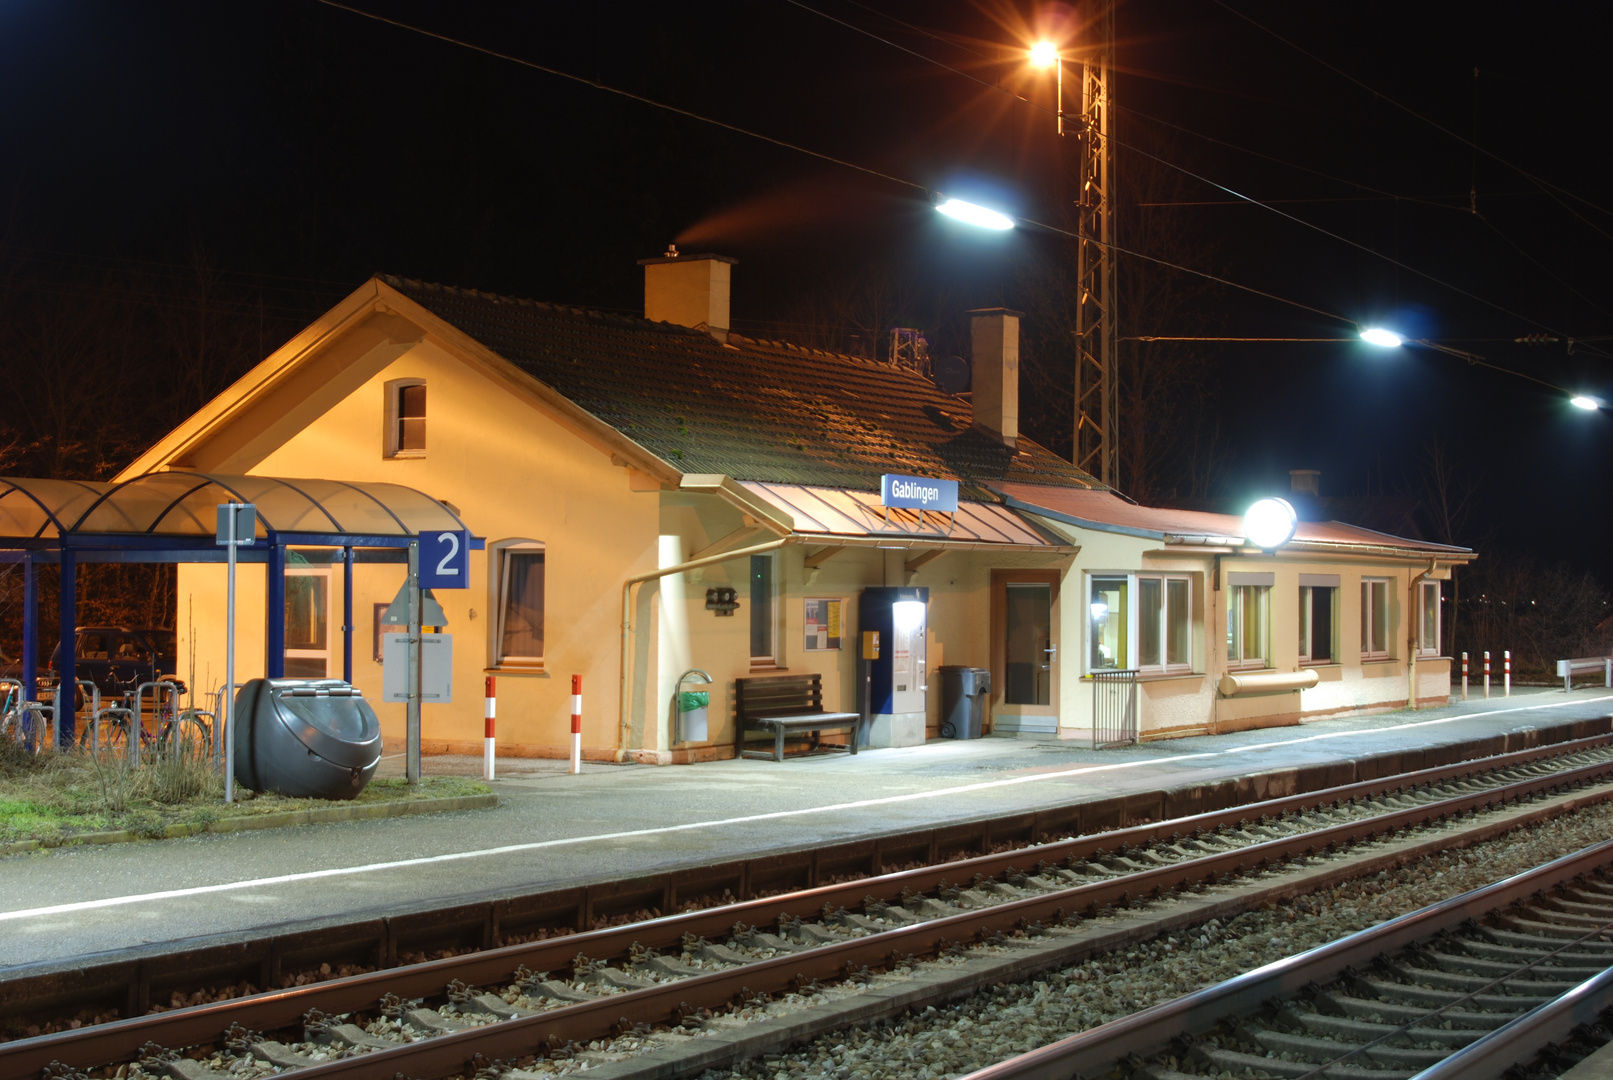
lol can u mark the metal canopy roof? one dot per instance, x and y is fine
(184, 504)
(840, 512)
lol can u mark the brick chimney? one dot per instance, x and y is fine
(1305, 481)
(995, 375)
(689, 290)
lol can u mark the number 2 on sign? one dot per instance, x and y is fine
(445, 567)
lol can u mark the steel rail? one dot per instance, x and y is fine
(1099, 1049)
(106, 1043)
(115, 981)
(1516, 1042)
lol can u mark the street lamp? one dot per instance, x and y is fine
(1270, 523)
(1388, 339)
(1046, 54)
(974, 214)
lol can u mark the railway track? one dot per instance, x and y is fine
(433, 1019)
(1464, 989)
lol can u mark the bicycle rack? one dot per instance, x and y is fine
(94, 693)
(139, 702)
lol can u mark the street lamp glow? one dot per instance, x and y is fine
(1583, 401)
(1269, 523)
(1044, 54)
(1386, 339)
(978, 216)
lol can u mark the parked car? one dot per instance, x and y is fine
(119, 658)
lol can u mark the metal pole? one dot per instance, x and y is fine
(1464, 676)
(347, 614)
(490, 716)
(1486, 674)
(1059, 63)
(229, 666)
(67, 681)
(412, 766)
(1506, 673)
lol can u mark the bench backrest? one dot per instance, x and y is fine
(778, 695)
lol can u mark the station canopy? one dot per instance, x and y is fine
(178, 504)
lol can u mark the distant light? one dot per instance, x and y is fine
(1100, 610)
(1581, 401)
(1269, 523)
(1387, 339)
(978, 216)
(1044, 54)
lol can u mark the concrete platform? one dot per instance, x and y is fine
(554, 829)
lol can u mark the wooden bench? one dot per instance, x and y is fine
(786, 705)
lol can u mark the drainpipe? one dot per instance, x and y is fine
(1411, 638)
(627, 616)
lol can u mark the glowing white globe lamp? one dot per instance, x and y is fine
(1270, 523)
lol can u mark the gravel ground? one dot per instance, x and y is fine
(985, 1028)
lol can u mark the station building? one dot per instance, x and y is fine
(661, 494)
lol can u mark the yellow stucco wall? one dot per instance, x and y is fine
(512, 472)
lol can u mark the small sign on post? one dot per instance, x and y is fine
(237, 527)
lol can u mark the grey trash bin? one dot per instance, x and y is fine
(963, 700)
(306, 738)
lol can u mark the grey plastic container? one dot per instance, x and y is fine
(307, 738)
(963, 700)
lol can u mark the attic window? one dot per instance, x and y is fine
(406, 418)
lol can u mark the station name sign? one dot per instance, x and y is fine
(918, 493)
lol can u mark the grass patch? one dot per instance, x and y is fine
(55, 797)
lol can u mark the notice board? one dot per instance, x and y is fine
(823, 623)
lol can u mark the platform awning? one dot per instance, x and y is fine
(843, 512)
(184, 504)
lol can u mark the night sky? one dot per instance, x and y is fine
(300, 147)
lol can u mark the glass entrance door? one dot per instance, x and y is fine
(1028, 645)
(1025, 650)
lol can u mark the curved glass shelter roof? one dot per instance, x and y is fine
(178, 504)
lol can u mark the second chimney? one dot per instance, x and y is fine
(689, 290)
(994, 359)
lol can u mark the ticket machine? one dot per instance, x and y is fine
(897, 675)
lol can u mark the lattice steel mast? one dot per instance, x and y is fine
(1097, 399)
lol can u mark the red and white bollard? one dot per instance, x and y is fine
(1486, 672)
(1464, 676)
(490, 711)
(1506, 673)
(576, 724)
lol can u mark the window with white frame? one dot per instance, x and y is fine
(406, 418)
(1164, 624)
(1428, 618)
(1318, 618)
(518, 641)
(1108, 636)
(1375, 618)
(1249, 620)
(763, 611)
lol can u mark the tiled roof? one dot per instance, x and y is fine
(1105, 511)
(754, 410)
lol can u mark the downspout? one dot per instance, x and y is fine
(1411, 638)
(627, 617)
(1212, 644)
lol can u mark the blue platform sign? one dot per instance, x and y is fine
(918, 493)
(445, 559)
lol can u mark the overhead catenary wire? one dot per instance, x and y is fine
(912, 184)
(1249, 199)
(1545, 185)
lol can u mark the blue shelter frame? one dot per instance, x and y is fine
(169, 517)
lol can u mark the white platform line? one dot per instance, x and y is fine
(887, 800)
